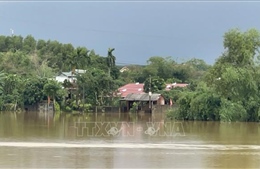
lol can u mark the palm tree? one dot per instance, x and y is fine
(79, 58)
(110, 60)
(82, 55)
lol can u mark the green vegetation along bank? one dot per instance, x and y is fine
(226, 91)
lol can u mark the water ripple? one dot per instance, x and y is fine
(131, 145)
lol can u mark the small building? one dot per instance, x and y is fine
(143, 100)
(174, 85)
(123, 69)
(69, 75)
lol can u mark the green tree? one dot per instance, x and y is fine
(52, 89)
(82, 54)
(29, 44)
(97, 85)
(111, 59)
(69, 56)
(160, 66)
(34, 90)
(13, 87)
(3, 47)
(2, 77)
(198, 64)
(235, 76)
(157, 84)
(182, 72)
(230, 89)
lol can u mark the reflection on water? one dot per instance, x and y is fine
(98, 140)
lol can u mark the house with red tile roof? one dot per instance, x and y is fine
(138, 88)
(134, 92)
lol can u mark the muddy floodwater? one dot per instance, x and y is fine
(100, 140)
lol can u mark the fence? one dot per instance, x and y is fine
(43, 106)
(106, 109)
(111, 109)
(160, 108)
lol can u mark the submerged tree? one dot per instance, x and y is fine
(51, 89)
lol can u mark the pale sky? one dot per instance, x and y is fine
(137, 30)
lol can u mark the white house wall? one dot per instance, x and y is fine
(60, 78)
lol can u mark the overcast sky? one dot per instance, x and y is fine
(137, 30)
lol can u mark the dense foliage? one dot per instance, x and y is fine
(28, 67)
(229, 90)
(226, 91)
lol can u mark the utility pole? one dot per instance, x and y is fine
(150, 95)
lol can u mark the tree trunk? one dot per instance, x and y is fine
(53, 99)
(109, 70)
(15, 106)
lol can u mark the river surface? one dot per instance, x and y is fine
(98, 140)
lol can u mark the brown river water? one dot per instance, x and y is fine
(100, 140)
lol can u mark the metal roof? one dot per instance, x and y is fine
(66, 74)
(80, 71)
(69, 74)
(141, 97)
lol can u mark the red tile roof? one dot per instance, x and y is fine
(131, 88)
(138, 88)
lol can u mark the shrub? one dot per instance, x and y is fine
(56, 107)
